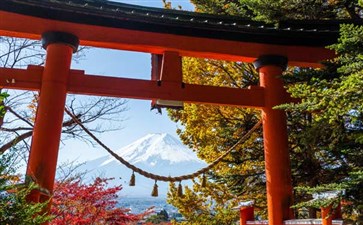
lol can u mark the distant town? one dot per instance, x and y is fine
(162, 211)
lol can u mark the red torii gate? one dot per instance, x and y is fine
(170, 34)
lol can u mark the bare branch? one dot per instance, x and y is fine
(99, 113)
(69, 170)
(16, 140)
(15, 129)
(18, 116)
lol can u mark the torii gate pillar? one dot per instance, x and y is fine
(49, 117)
(277, 161)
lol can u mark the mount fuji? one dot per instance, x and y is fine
(161, 154)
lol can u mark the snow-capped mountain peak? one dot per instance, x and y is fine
(154, 148)
(160, 154)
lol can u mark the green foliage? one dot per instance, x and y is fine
(160, 217)
(338, 94)
(333, 99)
(14, 209)
(228, 7)
(281, 10)
(325, 128)
(3, 96)
(349, 191)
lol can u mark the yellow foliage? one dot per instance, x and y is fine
(33, 107)
(212, 130)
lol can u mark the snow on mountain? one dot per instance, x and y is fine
(160, 154)
(155, 147)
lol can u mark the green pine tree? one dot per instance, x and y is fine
(14, 209)
(325, 130)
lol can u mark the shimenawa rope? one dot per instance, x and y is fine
(155, 176)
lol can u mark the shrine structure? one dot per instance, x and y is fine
(168, 35)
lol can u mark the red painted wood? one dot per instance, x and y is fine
(17, 25)
(326, 215)
(171, 67)
(277, 161)
(48, 124)
(54, 85)
(80, 83)
(21, 79)
(246, 214)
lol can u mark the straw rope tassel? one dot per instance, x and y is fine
(132, 179)
(159, 177)
(204, 181)
(180, 190)
(155, 192)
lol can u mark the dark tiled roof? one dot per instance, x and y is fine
(120, 15)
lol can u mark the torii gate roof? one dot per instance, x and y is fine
(125, 16)
(146, 29)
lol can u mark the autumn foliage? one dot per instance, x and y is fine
(77, 203)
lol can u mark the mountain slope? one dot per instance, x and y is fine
(160, 154)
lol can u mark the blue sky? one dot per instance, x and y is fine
(139, 119)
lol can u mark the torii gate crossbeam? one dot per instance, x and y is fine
(85, 84)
